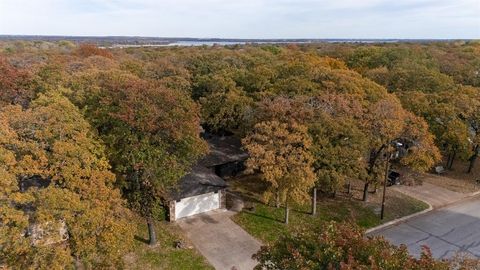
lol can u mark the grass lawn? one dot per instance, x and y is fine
(266, 222)
(164, 255)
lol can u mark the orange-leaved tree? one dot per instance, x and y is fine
(152, 137)
(280, 153)
(58, 206)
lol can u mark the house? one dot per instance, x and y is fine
(199, 191)
(204, 189)
(226, 157)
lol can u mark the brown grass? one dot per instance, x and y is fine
(455, 179)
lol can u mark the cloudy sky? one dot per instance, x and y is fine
(244, 18)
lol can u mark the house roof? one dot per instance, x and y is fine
(200, 180)
(223, 150)
(203, 180)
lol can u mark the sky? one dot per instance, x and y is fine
(416, 19)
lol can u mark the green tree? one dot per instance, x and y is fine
(450, 131)
(339, 148)
(226, 111)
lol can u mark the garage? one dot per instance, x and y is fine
(202, 189)
(197, 204)
(197, 192)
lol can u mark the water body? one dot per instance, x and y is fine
(189, 43)
(207, 42)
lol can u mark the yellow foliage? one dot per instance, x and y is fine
(52, 142)
(280, 152)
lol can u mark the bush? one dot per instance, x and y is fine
(343, 246)
(87, 50)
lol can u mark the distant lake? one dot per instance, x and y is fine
(190, 43)
(206, 43)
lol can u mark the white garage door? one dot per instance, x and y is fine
(196, 205)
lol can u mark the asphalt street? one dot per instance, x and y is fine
(448, 230)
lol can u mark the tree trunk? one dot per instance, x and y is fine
(277, 199)
(473, 158)
(287, 212)
(448, 160)
(452, 158)
(151, 232)
(314, 201)
(365, 192)
(349, 187)
(373, 158)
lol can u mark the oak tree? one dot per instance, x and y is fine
(58, 204)
(280, 152)
(152, 137)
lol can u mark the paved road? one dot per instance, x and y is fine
(220, 240)
(455, 228)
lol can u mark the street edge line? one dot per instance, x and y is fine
(402, 219)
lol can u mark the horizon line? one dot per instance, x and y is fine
(233, 38)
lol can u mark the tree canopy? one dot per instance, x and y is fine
(51, 144)
(280, 152)
(311, 115)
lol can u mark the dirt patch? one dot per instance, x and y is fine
(455, 180)
(459, 171)
(454, 184)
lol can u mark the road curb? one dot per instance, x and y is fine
(403, 219)
(473, 194)
(399, 220)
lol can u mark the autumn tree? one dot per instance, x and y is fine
(386, 123)
(152, 137)
(17, 86)
(344, 246)
(168, 71)
(58, 205)
(467, 101)
(284, 109)
(419, 151)
(87, 50)
(280, 152)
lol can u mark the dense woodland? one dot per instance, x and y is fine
(108, 132)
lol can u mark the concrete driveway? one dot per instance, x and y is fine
(225, 244)
(447, 230)
(434, 195)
